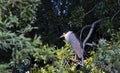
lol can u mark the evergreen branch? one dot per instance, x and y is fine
(5, 3)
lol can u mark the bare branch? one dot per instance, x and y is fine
(90, 32)
(82, 32)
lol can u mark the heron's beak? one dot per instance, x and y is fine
(62, 36)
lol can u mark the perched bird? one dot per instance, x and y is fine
(75, 44)
(78, 47)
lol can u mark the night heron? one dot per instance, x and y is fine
(78, 47)
(75, 44)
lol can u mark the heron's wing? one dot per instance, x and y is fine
(78, 50)
(75, 44)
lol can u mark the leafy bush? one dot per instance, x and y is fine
(107, 57)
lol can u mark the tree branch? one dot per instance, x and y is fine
(115, 15)
(82, 32)
(89, 11)
(118, 2)
(90, 32)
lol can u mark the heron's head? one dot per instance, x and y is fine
(65, 34)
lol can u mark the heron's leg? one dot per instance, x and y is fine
(75, 57)
(82, 61)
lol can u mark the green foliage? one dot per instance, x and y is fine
(30, 30)
(52, 58)
(16, 18)
(107, 57)
(77, 16)
(3, 68)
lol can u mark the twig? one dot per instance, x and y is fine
(90, 32)
(89, 11)
(115, 15)
(118, 2)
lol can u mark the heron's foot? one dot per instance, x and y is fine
(77, 62)
(81, 63)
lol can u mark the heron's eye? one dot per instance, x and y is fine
(64, 33)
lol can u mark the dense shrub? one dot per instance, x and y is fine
(30, 31)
